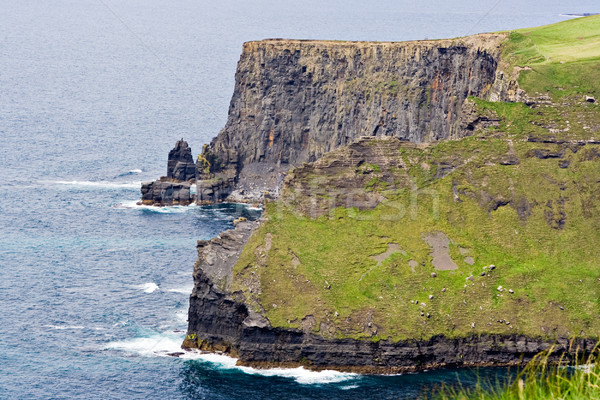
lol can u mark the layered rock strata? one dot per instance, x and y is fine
(180, 164)
(296, 100)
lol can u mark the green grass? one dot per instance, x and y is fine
(342, 287)
(561, 64)
(563, 58)
(539, 380)
(571, 40)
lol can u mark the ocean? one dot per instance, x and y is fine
(93, 94)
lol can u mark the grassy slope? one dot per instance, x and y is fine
(323, 267)
(562, 62)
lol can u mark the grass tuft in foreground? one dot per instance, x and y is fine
(539, 380)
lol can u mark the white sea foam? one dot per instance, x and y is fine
(136, 171)
(96, 184)
(183, 290)
(64, 327)
(156, 345)
(181, 316)
(132, 205)
(164, 345)
(148, 287)
(349, 387)
(300, 374)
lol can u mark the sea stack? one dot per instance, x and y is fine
(173, 189)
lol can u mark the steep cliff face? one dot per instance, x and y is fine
(297, 100)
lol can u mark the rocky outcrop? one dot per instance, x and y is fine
(350, 176)
(215, 317)
(166, 193)
(176, 187)
(181, 165)
(296, 100)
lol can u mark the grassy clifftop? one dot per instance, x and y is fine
(495, 233)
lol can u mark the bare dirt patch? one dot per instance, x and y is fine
(440, 246)
(392, 248)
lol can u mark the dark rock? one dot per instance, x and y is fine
(180, 165)
(564, 164)
(591, 154)
(510, 159)
(166, 193)
(523, 207)
(288, 106)
(544, 154)
(555, 213)
(175, 188)
(493, 202)
(213, 190)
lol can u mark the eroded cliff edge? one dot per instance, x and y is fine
(296, 100)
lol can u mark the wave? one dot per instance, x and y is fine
(64, 327)
(183, 290)
(130, 172)
(155, 345)
(132, 205)
(167, 344)
(302, 375)
(349, 387)
(97, 184)
(182, 316)
(148, 287)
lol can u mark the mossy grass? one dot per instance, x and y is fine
(335, 279)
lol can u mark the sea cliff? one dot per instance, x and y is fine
(429, 203)
(296, 100)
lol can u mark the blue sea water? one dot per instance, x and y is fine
(93, 93)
